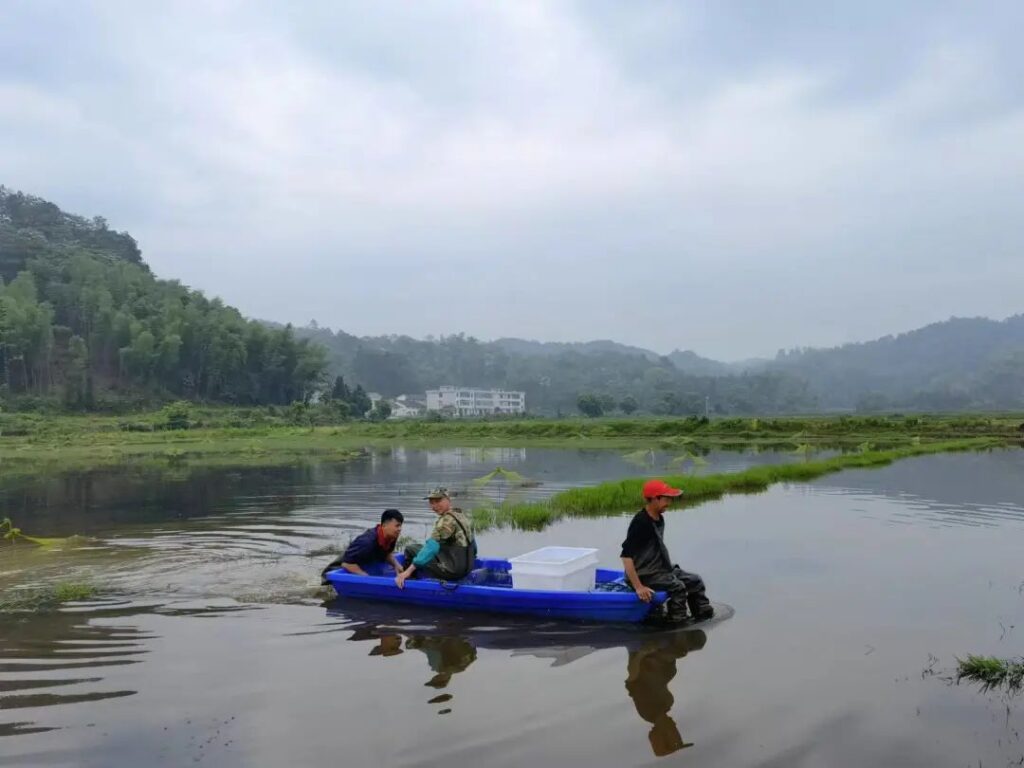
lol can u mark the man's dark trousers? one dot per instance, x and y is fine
(684, 590)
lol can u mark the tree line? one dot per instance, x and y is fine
(608, 380)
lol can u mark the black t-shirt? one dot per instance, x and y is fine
(643, 534)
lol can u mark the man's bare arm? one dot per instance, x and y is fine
(644, 593)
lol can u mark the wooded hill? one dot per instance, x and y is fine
(962, 363)
(620, 378)
(959, 364)
(84, 320)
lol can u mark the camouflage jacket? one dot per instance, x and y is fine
(447, 530)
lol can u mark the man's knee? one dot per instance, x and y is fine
(675, 587)
(693, 581)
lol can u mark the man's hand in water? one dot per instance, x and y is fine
(645, 594)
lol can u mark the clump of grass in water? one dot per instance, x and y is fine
(992, 672)
(8, 532)
(696, 460)
(46, 598)
(11, 534)
(511, 478)
(641, 458)
(509, 485)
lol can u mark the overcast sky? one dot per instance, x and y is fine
(730, 178)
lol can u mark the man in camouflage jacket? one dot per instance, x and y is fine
(450, 551)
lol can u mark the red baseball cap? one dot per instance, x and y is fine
(654, 488)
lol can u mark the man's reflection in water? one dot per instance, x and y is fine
(389, 645)
(650, 668)
(648, 673)
(446, 656)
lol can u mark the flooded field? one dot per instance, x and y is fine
(853, 596)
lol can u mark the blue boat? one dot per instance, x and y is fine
(488, 588)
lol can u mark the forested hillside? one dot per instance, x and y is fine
(957, 364)
(83, 320)
(622, 379)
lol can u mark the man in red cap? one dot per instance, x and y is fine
(648, 565)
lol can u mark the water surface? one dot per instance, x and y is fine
(852, 594)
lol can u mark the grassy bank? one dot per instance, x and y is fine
(266, 436)
(42, 425)
(823, 428)
(992, 673)
(617, 497)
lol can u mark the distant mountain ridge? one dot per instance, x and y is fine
(527, 347)
(83, 318)
(951, 365)
(949, 360)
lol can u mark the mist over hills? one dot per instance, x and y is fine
(82, 318)
(961, 363)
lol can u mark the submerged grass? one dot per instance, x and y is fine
(616, 497)
(45, 598)
(992, 673)
(11, 535)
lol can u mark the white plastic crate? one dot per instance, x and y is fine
(557, 569)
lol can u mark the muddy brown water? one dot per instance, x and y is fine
(853, 595)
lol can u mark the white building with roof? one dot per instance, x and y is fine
(404, 407)
(469, 401)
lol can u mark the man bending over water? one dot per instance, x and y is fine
(372, 546)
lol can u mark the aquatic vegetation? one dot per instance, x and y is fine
(68, 591)
(622, 495)
(641, 458)
(694, 459)
(509, 476)
(45, 598)
(8, 532)
(11, 534)
(508, 483)
(991, 672)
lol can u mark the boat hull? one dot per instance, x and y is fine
(466, 596)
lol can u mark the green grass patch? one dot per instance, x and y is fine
(616, 497)
(991, 672)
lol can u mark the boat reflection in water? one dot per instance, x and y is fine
(450, 643)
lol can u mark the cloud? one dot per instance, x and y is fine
(536, 169)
